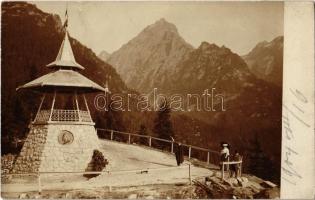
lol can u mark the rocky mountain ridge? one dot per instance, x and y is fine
(265, 60)
(253, 106)
(148, 59)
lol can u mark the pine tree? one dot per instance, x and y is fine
(143, 131)
(259, 163)
(162, 124)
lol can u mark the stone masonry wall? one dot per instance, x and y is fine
(74, 156)
(42, 150)
(30, 156)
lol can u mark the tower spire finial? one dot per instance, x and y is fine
(65, 57)
(106, 84)
(66, 18)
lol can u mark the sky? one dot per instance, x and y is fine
(108, 25)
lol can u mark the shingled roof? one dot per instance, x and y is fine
(63, 79)
(65, 57)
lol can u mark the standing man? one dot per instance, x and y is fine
(179, 155)
(225, 153)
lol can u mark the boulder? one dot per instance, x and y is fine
(132, 196)
(243, 193)
(232, 182)
(23, 196)
(242, 181)
(270, 193)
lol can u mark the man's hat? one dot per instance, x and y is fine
(224, 144)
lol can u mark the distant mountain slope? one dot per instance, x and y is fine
(30, 40)
(210, 66)
(252, 106)
(104, 55)
(148, 60)
(266, 60)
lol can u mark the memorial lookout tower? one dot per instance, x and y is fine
(62, 136)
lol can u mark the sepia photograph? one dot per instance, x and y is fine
(141, 100)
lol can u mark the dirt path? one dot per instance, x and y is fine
(121, 157)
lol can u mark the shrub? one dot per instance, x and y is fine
(98, 163)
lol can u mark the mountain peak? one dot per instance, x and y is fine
(162, 20)
(104, 55)
(148, 60)
(206, 45)
(265, 60)
(162, 25)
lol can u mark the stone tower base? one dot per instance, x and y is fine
(57, 147)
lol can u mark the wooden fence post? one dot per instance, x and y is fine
(39, 184)
(150, 141)
(189, 173)
(222, 170)
(111, 134)
(208, 157)
(228, 166)
(189, 152)
(172, 147)
(241, 169)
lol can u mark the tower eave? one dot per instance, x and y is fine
(65, 64)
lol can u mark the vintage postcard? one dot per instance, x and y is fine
(157, 100)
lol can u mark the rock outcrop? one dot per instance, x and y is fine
(247, 187)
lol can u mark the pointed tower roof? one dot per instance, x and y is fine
(65, 77)
(65, 57)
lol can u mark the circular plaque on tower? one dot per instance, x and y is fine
(65, 137)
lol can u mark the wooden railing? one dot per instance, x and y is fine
(65, 115)
(58, 115)
(212, 156)
(42, 116)
(228, 163)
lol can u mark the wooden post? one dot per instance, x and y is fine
(189, 173)
(77, 104)
(111, 134)
(208, 157)
(128, 138)
(40, 105)
(222, 170)
(87, 107)
(241, 169)
(39, 184)
(189, 152)
(86, 104)
(52, 106)
(150, 141)
(228, 166)
(172, 147)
